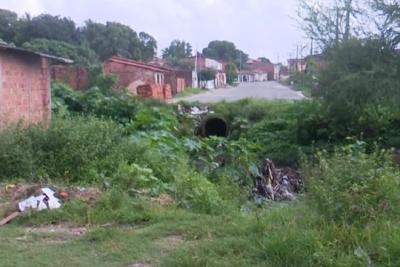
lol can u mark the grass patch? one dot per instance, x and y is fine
(190, 92)
(284, 235)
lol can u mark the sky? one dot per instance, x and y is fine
(261, 28)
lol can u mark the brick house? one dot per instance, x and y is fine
(257, 71)
(297, 65)
(146, 80)
(183, 74)
(25, 93)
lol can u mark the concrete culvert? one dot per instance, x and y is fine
(214, 125)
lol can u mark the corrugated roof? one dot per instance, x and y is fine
(29, 52)
(139, 64)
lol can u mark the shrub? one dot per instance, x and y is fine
(352, 186)
(196, 192)
(16, 153)
(73, 149)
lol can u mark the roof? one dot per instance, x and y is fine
(139, 64)
(5, 47)
(257, 67)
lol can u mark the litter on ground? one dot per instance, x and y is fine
(277, 184)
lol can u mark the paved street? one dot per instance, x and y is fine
(260, 90)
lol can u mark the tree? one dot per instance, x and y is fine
(361, 76)
(177, 50)
(112, 39)
(221, 50)
(227, 52)
(207, 75)
(46, 27)
(8, 21)
(389, 27)
(80, 54)
(264, 60)
(330, 23)
(231, 73)
(148, 46)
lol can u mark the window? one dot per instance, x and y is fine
(159, 77)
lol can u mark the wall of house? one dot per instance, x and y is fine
(187, 75)
(129, 76)
(155, 91)
(24, 89)
(75, 76)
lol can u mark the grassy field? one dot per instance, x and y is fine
(173, 237)
(137, 153)
(282, 235)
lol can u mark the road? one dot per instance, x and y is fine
(260, 90)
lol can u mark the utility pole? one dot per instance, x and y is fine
(337, 25)
(312, 46)
(297, 58)
(240, 67)
(195, 70)
(348, 9)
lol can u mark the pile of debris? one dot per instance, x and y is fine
(277, 184)
(17, 199)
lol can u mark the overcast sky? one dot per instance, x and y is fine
(258, 27)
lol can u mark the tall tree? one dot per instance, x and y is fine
(112, 39)
(8, 21)
(177, 50)
(148, 46)
(227, 52)
(221, 50)
(80, 54)
(389, 25)
(47, 27)
(264, 60)
(330, 22)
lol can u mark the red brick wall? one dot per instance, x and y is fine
(187, 76)
(75, 76)
(180, 85)
(170, 78)
(24, 89)
(129, 76)
(155, 91)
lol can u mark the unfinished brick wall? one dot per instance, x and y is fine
(140, 78)
(24, 88)
(129, 76)
(75, 76)
(167, 92)
(155, 91)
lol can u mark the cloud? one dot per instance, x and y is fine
(33, 7)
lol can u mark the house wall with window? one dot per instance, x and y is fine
(133, 74)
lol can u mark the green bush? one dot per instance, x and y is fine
(353, 187)
(117, 206)
(70, 150)
(197, 193)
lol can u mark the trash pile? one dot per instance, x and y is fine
(194, 111)
(17, 199)
(277, 184)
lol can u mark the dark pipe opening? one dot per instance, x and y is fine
(215, 127)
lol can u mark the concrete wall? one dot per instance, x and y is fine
(24, 89)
